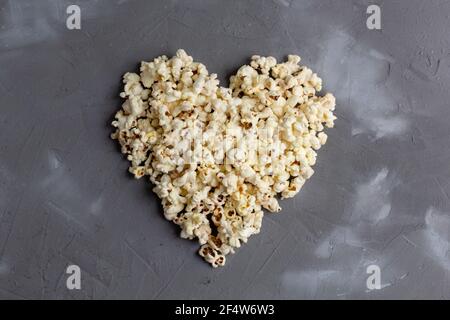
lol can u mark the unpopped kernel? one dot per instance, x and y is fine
(218, 156)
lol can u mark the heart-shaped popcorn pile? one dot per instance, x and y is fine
(218, 156)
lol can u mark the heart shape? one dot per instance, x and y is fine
(218, 156)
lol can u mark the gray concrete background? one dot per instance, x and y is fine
(380, 195)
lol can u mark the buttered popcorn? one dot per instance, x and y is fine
(219, 156)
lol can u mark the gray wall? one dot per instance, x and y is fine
(381, 190)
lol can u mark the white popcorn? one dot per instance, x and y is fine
(218, 156)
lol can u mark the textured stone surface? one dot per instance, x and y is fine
(381, 190)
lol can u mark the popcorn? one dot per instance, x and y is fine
(218, 156)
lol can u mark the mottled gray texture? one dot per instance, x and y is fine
(380, 195)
